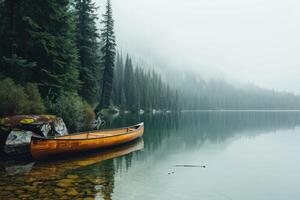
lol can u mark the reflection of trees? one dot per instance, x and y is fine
(197, 127)
(217, 126)
(107, 174)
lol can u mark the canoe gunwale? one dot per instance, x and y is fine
(58, 138)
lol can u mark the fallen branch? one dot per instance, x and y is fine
(203, 166)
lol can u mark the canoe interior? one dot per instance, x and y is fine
(96, 134)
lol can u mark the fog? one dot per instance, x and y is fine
(250, 41)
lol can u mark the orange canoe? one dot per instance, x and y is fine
(43, 148)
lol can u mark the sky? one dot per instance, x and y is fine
(248, 41)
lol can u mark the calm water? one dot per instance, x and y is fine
(248, 155)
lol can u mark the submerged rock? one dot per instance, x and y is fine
(96, 181)
(70, 176)
(24, 196)
(65, 183)
(59, 191)
(42, 191)
(17, 142)
(10, 188)
(13, 168)
(72, 192)
(19, 192)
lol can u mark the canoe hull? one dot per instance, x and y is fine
(43, 148)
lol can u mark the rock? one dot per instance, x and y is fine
(32, 189)
(65, 182)
(88, 192)
(30, 180)
(35, 184)
(60, 126)
(72, 192)
(88, 198)
(12, 198)
(17, 130)
(10, 188)
(24, 196)
(98, 188)
(29, 188)
(43, 125)
(70, 176)
(17, 142)
(59, 191)
(42, 191)
(13, 169)
(64, 185)
(4, 193)
(19, 192)
(96, 181)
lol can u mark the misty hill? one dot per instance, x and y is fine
(197, 93)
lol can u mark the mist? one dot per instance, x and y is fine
(246, 41)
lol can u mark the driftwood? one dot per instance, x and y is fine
(203, 166)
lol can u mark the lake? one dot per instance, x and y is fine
(186, 156)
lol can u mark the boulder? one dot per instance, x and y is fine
(43, 125)
(17, 142)
(17, 130)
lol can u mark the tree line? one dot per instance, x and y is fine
(137, 89)
(198, 94)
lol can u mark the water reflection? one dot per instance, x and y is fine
(193, 128)
(63, 178)
(104, 175)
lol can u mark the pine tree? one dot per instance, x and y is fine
(108, 50)
(40, 45)
(118, 80)
(129, 85)
(52, 31)
(137, 87)
(12, 61)
(87, 44)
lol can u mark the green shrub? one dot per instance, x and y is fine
(89, 115)
(74, 111)
(35, 102)
(13, 99)
(17, 100)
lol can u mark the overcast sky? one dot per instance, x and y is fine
(252, 41)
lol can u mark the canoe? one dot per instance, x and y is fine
(43, 148)
(57, 167)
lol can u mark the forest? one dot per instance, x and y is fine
(54, 59)
(196, 93)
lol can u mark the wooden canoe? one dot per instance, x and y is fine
(43, 148)
(55, 168)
